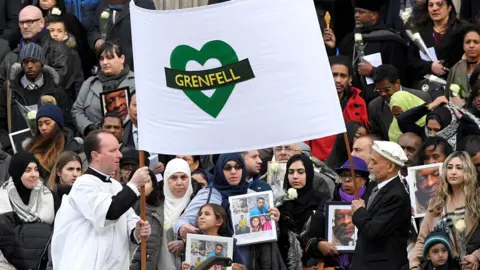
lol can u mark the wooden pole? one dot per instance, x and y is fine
(352, 169)
(143, 244)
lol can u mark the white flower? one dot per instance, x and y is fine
(105, 15)
(455, 88)
(56, 11)
(460, 225)
(292, 193)
(358, 37)
(32, 115)
(406, 14)
(274, 167)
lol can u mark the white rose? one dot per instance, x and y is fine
(455, 88)
(56, 11)
(406, 14)
(274, 167)
(105, 15)
(460, 225)
(292, 193)
(32, 115)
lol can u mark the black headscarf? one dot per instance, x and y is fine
(221, 184)
(442, 115)
(299, 210)
(18, 165)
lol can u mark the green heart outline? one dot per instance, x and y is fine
(215, 49)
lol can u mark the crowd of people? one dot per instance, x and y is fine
(406, 74)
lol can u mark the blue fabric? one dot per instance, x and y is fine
(84, 10)
(259, 185)
(51, 111)
(256, 212)
(205, 174)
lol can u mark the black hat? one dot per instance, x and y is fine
(372, 5)
(129, 156)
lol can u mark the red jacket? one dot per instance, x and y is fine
(355, 110)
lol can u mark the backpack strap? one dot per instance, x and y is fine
(209, 195)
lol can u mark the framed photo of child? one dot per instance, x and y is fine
(340, 229)
(17, 138)
(422, 183)
(251, 222)
(116, 101)
(200, 247)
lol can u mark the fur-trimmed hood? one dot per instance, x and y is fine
(17, 70)
(71, 42)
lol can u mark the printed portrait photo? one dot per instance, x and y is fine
(423, 182)
(202, 247)
(341, 230)
(116, 101)
(18, 138)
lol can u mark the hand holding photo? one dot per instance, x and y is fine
(423, 182)
(340, 230)
(200, 247)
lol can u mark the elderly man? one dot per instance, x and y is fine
(32, 27)
(383, 223)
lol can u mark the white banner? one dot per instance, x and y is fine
(236, 76)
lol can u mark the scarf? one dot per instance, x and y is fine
(349, 198)
(27, 212)
(448, 121)
(221, 184)
(18, 165)
(173, 206)
(405, 101)
(113, 82)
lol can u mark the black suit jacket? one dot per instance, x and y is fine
(383, 230)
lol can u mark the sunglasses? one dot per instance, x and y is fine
(229, 167)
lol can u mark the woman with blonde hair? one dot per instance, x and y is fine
(455, 203)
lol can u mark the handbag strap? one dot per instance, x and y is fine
(9, 107)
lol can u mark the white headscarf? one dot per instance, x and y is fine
(174, 206)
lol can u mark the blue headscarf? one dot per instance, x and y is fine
(221, 184)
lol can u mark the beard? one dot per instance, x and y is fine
(372, 177)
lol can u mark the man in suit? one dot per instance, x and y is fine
(387, 82)
(383, 223)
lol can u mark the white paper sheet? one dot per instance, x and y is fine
(374, 59)
(432, 53)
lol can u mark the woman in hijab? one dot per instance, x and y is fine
(339, 152)
(165, 204)
(27, 207)
(229, 180)
(303, 216)
(400, 102)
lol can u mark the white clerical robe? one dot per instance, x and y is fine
(83, 238)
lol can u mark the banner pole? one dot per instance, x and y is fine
(143, 243)
(352, 169)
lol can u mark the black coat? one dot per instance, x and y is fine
(9, 29)
(27, 97)
(383, 230)
(470, 10)
(24, 245)
(121, 29)
(390, 45)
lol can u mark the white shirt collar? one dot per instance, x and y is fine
(134, 128)
(106, 175)
(384, 183)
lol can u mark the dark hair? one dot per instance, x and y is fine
(436, 141)
(472, 145)
(451, 51)
(339, 153)
(386, 72)
(47, 149)
(343, 61)
(92, 142)
(55, 19)
(157, 195)
(132, 93)
(420, 17)
(260, 198)
(474, 78)
(111, 115)
(220, 213)
(110, 48)
(475, 92)
(218, 245)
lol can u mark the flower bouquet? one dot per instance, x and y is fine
(29, 113)
(413, 33)
(103, 23)
(460, 226)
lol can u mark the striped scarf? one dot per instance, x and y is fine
(27, 213)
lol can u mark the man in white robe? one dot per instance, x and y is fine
(95, 226)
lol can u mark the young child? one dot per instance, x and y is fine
(212, 220)
(437, 252)
(56, 27)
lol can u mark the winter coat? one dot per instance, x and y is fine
(75, 75)
(4, 164)
(120, 30)
(9, 29)
(26, 98)
(87, 110)
(84, 10)
(56, 56)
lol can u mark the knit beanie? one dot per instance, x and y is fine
(32, 50)
(51, 111)
(437, 237)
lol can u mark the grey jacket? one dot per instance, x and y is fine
(381, 117)
(87, 109)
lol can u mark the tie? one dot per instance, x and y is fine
(372, 197)
(135, 137)
(406, 185)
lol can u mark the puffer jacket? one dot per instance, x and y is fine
(25, 97)
(56, 56)
(28, 243)
(87, 109)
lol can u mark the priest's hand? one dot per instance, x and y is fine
(356, 204)
(365, 68)
(142, 229)
(187, 228)
(176, 246)
(140, 177)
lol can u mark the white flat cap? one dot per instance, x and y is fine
(391, 151)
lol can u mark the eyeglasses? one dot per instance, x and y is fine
(386, 89)
(229, 167)
(346, 175)
(280, 148)
(28, 22)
